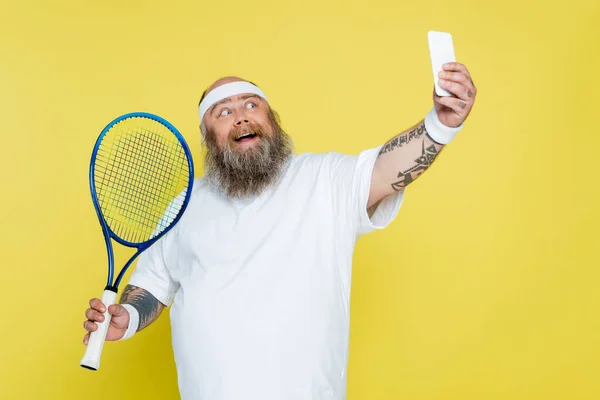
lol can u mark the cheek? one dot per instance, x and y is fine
(263, 121)
(222, 138)
(221, 133)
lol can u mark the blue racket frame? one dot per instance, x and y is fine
(108, 233)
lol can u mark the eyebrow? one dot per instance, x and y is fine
(218, 103)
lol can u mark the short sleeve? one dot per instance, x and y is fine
(351, 183)
(151, 273)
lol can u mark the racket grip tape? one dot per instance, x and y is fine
(91, 358)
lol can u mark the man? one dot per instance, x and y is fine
(258, 270)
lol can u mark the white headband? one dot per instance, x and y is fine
(227, 90)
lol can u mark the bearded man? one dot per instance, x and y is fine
(258, 270)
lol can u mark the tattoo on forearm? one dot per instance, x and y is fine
(403, 139)
(428, 155)
(147, 305)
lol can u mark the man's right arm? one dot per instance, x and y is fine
(148, 307)
(143, 302)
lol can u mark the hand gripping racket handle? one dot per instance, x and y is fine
(91, 359)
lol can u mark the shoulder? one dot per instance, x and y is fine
(200, 185)
(319, 162)
(200, 189)
(333, 163)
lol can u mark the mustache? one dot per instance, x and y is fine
(248, 128)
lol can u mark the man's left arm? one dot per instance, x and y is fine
(406, 156)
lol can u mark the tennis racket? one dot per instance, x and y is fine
(141, 177)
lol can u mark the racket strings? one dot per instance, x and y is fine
(141, 175)
(154, 167)
(123, 184)
(134, 194)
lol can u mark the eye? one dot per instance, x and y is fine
(225, 112)
(250, 105)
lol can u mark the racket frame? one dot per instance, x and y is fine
(91, 359)
(108, 233)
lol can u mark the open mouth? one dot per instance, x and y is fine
(245, 137)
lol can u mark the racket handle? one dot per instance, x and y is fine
(91, 359)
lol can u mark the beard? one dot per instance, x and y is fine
(242, 174)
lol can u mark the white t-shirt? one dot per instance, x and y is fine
(260, 289)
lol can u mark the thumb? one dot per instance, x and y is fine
(117, 310)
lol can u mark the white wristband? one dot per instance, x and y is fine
(134, 321)
(439, 132)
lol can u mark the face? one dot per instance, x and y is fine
(246, 148)
(240, 122)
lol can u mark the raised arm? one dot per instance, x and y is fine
(406, 156)
(402, 160)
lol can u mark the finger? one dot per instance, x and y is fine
(457, 67)
(459, 106)
(117, 310)
(97, 305)
(458, 89)
(461, 68)
(459, 77)
(90, 326)
(94, 315)
(86, 339)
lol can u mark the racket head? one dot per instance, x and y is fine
(141, 178)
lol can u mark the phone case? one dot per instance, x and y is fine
(441, 50)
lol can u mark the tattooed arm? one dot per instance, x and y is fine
(402, 160)
(147, 305)
(405, 157)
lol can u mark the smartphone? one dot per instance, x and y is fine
(441, 50)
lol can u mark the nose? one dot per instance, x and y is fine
(241, 121)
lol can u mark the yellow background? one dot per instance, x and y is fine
(484, 287)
